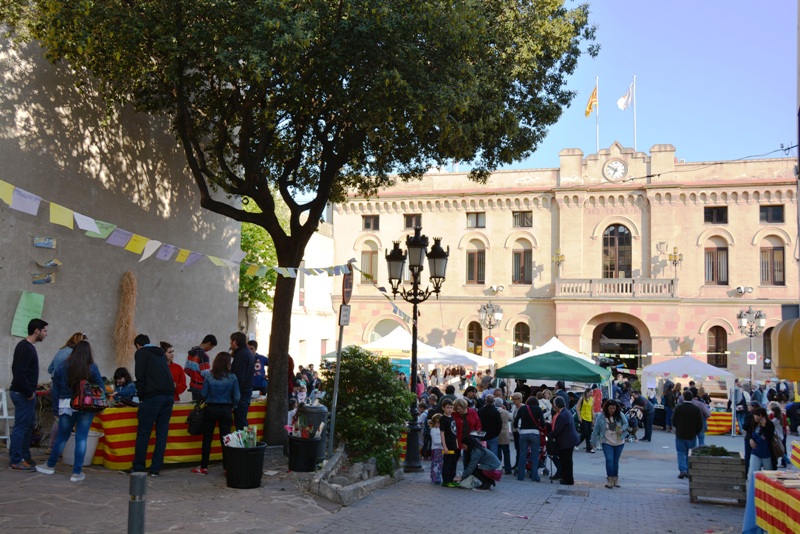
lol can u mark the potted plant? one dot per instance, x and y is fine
(716, 473)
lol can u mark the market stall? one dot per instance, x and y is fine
(118, 425)
(777, 501)
(719, 423)
(794, 454)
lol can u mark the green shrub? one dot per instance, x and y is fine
(711, 450)
(372, 407)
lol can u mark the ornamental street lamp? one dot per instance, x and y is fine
(751, 324)
(490, 316)
(558, 259)
(675, 258)
(417, 250)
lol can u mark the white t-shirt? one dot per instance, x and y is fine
(436, 438)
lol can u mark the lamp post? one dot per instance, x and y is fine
(751, 324)
(558, 259)
(417, 250)
(490, 316)
(675, 258)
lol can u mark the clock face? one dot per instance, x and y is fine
(615, 169)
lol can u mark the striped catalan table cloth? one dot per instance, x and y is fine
(777, 507)
(719, 423)
(794, 454)
(118, 425)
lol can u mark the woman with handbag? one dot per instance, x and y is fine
(760, 436)
(221, 394)
(609, 431)
(78, 367)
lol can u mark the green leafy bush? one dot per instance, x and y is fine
(372, 407)
(711, 450)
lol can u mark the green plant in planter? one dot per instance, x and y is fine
(711, 450)
(372, 407)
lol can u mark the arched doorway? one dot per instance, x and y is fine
(618, 341)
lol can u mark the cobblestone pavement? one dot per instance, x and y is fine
(652, 499)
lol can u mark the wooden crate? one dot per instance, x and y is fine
(718, 477)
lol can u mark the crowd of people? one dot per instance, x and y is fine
(551, 424)
(225, 385)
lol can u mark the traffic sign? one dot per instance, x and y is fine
(489, 342)
(347, 285)
(752, 358)
(344, 315)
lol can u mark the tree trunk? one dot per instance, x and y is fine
(278, 369)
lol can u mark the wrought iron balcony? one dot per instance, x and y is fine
(617, 288)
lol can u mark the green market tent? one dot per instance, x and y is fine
(555, 366)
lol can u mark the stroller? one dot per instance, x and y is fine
(541, 460)
(635, 416)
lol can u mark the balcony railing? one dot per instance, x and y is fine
(617, 288)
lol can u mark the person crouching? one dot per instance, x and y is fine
(483, 464)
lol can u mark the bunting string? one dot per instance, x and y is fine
(26, 202)
(382, 290)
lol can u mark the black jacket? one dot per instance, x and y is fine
(153, 377)
(687, 419)
(491, 422)
(242, 366)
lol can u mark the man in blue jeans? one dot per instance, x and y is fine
(688, 422)
(649, 412)
(24, 380)
(155, 389)
(242, 366)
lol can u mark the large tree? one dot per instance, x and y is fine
(314, 99)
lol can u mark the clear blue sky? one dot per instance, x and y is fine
(716, 79)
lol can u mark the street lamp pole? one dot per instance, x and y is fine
(491, 315)
(751, 324)
(416, 246)
(675, 258)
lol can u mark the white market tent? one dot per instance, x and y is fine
(397, 341)
(454, 356)
(554, 345)
(686, 367)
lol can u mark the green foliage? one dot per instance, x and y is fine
(711, 450)
(372, 407)
(260, 250)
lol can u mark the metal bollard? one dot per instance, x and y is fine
(138, 486)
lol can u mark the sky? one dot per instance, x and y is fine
(716, 79)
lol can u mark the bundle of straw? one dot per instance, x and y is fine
(124, 330)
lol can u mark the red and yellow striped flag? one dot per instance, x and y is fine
(592, 104)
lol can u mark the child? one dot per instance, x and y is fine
(436, 449)
(292, 411)
(450, 451)
(301, 394)
(124, 388)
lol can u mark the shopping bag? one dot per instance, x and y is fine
(194, 420)
(469, 482)
(89, 397)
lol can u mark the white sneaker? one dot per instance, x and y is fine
(45, 470)
(77, 478)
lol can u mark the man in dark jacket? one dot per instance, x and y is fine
(491, 423)
(242, 367)
(687, 419)
(155, 389)
(565, 437)
(649, 412)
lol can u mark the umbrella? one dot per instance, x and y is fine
(555, 366)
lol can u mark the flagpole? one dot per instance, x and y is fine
(597, 115)
(634, 112)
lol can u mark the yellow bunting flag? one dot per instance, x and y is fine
(216, 261)
(136, 244)
(61, 215)
(251, 270)
(182, 255)
(6, 192)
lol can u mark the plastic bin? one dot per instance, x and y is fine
(303, 454)
(68, 456)
(314, 415)
(244, 466)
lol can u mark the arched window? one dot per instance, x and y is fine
(617, 252)
(772, 262)
(474, 338)
(476, 262)
(522, 338)
(522, 263)
(716, 262)
(369, 263)
(768, 349)
(718, 347)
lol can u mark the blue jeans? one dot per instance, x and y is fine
(683, 446)
(612, 454)
(667, 417)
(152, 411)
(701, 437)
(740, 419)
(491, 444)
(240, 412)
(757, 463)
(525, 441)
(81, 421)
(24, 419)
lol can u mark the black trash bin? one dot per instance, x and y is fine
(244, 466)
(314, 415)
(303, 454)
